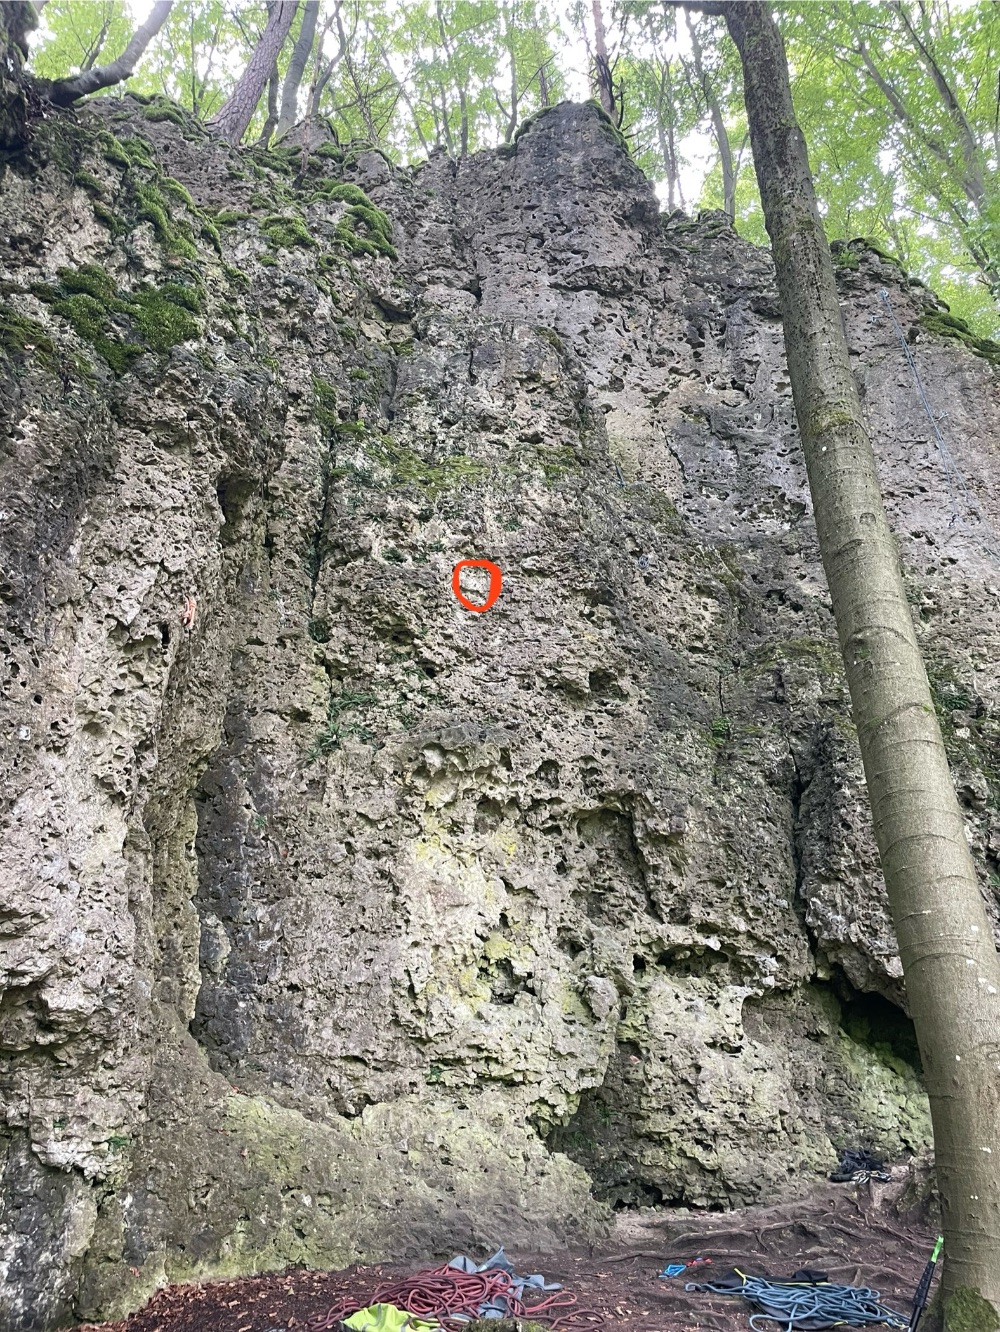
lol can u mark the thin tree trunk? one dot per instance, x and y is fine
(232, 118)
(297, 67)
(605, 91)
(515, 95)
(970, 178)
(719, 131)
(945, 938)
(66, 91)
(97, 47)
(272, 110)
(665, 134)
(971, 156)
(463, 103)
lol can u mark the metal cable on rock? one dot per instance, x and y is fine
(451, 1298)
(806, 1307)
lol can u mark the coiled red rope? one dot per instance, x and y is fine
(441, 1293)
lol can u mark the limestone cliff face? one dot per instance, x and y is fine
(336, 920)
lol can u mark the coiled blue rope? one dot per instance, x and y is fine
(805, 1307)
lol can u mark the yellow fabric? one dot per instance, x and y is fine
(387, 1318)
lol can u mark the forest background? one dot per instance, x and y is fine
(899, 103)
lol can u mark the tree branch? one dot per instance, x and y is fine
(97, 47)
(64, 92)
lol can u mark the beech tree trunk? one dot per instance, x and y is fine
(297, 67)
(945, 938)
(232, 118)
(66, 91)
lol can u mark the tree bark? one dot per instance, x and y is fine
(17, 18)
(66, 91)
(272, 110)
(605, 88)
(297, 67)
(945, 939)
(232, 118)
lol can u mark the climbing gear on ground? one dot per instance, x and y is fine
(675, 1269)
(804, 1306)
(858, 1167)
(497, 1308)
(920, 1298)
(386, 1318)
(453, 1295)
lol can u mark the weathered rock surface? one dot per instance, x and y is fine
(342, 921)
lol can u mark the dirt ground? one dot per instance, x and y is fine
(850, 1231)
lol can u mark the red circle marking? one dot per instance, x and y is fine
(496, 583)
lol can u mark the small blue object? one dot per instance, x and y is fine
(675, 1269)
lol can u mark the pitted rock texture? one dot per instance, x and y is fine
(339, 921)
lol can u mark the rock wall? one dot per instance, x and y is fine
(337, 921)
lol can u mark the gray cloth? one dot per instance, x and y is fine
(498, 1307)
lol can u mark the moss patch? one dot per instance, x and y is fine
(608, 124)
(147, 195)
(407, 468)
(178, 191)
(967, 1311)
(161, 108)
(364, 229)
(326, 405)
(337, 725)
(121, 327)
(89, 182)
(21, 337)
(950, 326)
(286, 231)
(153, 208)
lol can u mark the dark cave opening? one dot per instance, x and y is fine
(872, 1021)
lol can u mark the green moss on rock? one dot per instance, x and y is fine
(286, 231)
(178, 191)
(116, 225)
(153, 208)
(966, 1311)
(162, 322)
(344, 193)
(407, 468)
(950, 326)
(89, 182)
(326, 404)
(608, 124)
(364, 229)
(121, 327)
(20, 337)
(161, 110)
